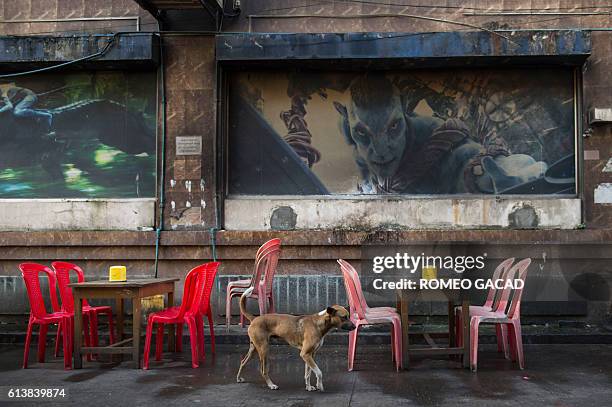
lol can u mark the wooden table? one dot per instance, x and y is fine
(453, 297)
(135, 290)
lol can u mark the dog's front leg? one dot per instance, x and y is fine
(310, 363)
(307, 378)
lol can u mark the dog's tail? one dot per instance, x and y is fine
(243, 309)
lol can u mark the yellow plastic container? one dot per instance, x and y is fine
(117, 273)
(429, 273)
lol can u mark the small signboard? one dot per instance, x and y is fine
(189, 145)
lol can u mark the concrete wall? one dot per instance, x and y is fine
(259, 213)
(76, 214)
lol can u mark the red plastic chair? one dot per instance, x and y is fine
(205, 311)
(502, 314)
(62, 272)
(362, 314)
(238, 287)
(266, 265)
(38, 313)
(187, 313)
(493, 297)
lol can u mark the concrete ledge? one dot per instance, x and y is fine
(393, 213)
(76, 214)
(130, 50)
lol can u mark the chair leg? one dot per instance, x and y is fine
(262, 301)
(352, 347)
(193, 338)
(93, 331)
(397, 327)
(67, 342)
(93, 328)
(271, 308)
(70, 331)
(505, 343)
(58, 337)
(212, 331)
(159, 341)
(28, 340)
(147, 347)
(474, 343)
(517, 341)
(42, 342)
(392, 343)
(87, 336)
(178, 341)
(200, 336)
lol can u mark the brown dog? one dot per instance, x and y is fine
(305, 332)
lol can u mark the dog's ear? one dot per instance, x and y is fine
(331, 311)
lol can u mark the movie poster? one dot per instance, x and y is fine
(442, 132)
(78, 135)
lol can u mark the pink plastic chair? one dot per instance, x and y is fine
(502, 314)
(238, 287)
(205, 311)
(62, 272)
(187, 313)
(39, 315)
(266, 265)
(493, 297)
(362, 314)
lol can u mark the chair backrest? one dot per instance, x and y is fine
(354, 292)
(519, 270)
(62, 274)
(261, 252)
(272, 263)
(210, 275)
(270, 243)
(514, 312)
(261, 265)
(194, 283)
(30, 273)
(497, 274)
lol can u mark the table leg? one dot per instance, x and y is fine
(404, 318)
(451, 324)
(78, 332)
(465, 313)
(136, 320)
(171, 327)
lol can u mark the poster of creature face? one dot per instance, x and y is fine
(440, 132)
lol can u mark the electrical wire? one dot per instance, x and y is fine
(98, 54)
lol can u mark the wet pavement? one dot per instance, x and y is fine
(556, 375)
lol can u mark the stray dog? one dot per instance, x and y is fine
(305, 332)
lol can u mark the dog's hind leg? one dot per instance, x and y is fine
(243, 362)
(315, 369)
(263, 360)
(307, 372)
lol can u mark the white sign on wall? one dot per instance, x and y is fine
(189, 145)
